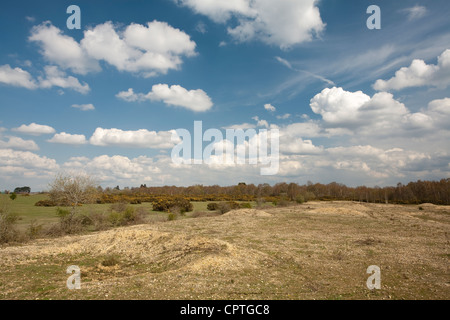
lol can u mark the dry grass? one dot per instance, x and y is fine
(317, 250)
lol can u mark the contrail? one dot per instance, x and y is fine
(289, 65)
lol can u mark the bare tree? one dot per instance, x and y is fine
(72, 190)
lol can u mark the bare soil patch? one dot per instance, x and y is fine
(317, 250)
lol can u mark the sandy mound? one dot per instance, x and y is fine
(247, 213)
(161, 250)
(339, 211)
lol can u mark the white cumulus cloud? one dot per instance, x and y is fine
(16, 77)
(34, 129)
(419, 74)
(67, 138)
(57, 78)
(147, 50)
(175, 95)
(142, 138)
(261, 19)
(269, 107)
(62, 49)
(19, 143)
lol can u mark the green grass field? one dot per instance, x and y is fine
(24, 207)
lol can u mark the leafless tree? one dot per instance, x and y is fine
(72, 190)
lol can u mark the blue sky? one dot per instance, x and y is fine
(352, 105)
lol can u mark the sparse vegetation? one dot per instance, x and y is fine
(212, 206)
(166, 205)
(8, 229)
(283, 255)
(45, 203)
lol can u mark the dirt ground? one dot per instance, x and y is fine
(317, 250)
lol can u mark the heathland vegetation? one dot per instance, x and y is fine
(435, 192)
(76, 204)
(285, 241)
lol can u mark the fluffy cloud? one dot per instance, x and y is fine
(134, 139)
(25, 167)
(26, 159)
(435, 116)
(175, 95)
(290, 145)
(16, 77)
(19, 143)
(84, 107)
(62, 50)
(53, 78)
(218, 11)
(358, 111)
(67, 138)
(57, 78)
(362, 164)
(302, 129)
(259, 123)
(380, 120)
(34, 129)
(337, 106)
(260, 19)
(243, 126)
(419, 74)
(120, 167)
(270, 107)
(147, 50)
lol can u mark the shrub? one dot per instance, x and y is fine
(127, 217)
(110, 261)
(115, 218)
(245, 205)
(309, 196)
(282, 203)
(68, 223)
(45, 203)
(212, 206)
(119, 206)
(260, 201)
(172, 216)
(200, 214)
(142, 211)
(131, 216)
(183, 204)
(62, 213)
(8, 231)
(99, 221)
(300, 199)
(13, 196)
(34, 230)
(161, 205)
(224, 207)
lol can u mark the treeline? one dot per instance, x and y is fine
(436, 192)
